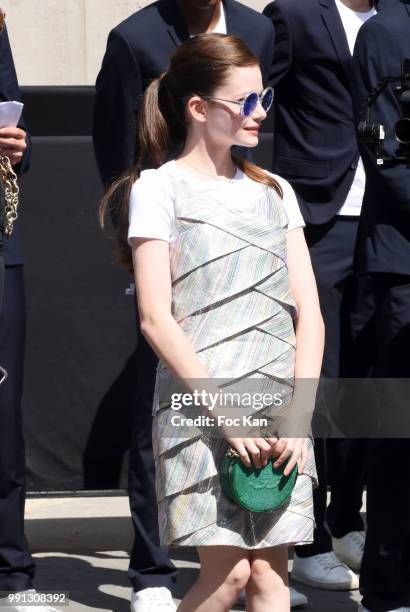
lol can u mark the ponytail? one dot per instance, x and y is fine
(160, 135)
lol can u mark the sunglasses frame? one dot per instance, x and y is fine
(3, 375)
(242, 104)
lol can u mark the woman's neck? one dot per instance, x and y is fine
(217, 163)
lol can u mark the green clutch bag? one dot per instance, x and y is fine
(256, 489)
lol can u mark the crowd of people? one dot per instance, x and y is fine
(295, 272)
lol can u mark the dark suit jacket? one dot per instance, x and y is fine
(9, 90)
(138, 50)
(384, 232)
(315, 139)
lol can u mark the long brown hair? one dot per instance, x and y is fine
(198, 67)
(2, 19)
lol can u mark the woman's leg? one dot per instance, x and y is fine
(267, 588)
(224, 573)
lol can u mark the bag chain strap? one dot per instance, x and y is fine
(231, 452)
(11, 194)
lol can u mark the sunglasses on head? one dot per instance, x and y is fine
(250, 102)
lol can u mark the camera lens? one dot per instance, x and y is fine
(402, 131)
(369, 132)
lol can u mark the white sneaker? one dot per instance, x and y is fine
(350, 548)
(324, 571)
(296, 599)
(363, 609)
(28, 596)
(153, 599)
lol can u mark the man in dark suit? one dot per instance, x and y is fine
(384, 253)
(16, 563)
(138, 50)
(316, 150)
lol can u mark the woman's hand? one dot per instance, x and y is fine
(294, 449)
(12, 143)
(253, 450)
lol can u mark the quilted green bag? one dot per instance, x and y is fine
(256, 489)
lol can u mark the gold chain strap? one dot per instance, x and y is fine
(11, 194)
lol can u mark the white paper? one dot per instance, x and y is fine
(10, 113)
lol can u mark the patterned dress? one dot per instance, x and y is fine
(231, 297)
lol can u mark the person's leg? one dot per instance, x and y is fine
(150, 565)
(2, 272)
(224, 573)
(331, 248)
(385, 574)
(322, 540)
(16, 563)
(385, 571)
(320, 240)
(267, 588)
(349, 455)
(1, 251)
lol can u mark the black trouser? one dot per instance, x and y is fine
(1, 260)
(341, 461)
(16, 564)
(150, 565)
(385, 573)
(2, 273)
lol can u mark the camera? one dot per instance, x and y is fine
(370, 132)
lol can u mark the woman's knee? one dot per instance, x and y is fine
(224, 567)
(239, 575)
(263, 574)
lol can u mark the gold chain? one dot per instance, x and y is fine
(11, 194)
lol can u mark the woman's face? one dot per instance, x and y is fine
(224, 123)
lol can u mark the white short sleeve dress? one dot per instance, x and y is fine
(231, 297)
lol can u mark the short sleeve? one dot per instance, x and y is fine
(291, 205)
(151, 212)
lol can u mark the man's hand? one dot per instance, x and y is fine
(12, 143)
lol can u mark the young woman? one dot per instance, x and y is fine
(223, 277)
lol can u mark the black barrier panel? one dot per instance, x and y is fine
(58, 111)
(81, 327)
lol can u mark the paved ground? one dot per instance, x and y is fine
(92, 536)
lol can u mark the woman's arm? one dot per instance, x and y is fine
(310, 331)
(153, 285)
(310, 335)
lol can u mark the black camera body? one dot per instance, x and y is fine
(370, 132)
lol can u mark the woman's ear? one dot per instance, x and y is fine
(196, 109)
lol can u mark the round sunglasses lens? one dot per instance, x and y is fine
(250, 104)
(267, 100)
